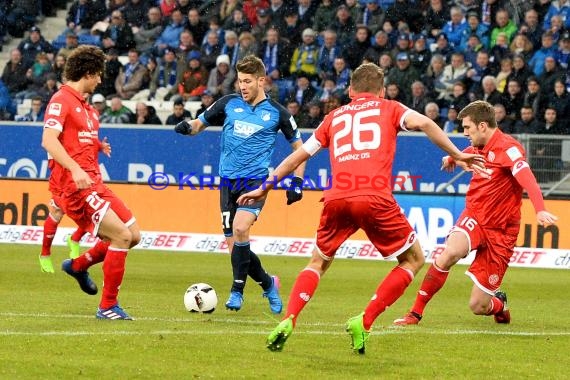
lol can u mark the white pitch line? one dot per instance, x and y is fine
(201, 318)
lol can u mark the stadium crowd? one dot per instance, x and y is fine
(437, 55)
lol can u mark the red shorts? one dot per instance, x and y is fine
(494, 250)
(88, 207)
(56, 202)
(381, 219)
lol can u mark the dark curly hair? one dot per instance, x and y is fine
(84, 60)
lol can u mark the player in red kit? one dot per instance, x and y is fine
(70, 137)
(491, 219)
(361, 137)
(56, 213)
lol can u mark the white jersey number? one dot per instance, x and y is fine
(354, 124)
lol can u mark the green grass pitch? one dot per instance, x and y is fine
(48, 328)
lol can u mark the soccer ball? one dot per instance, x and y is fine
(200, 298)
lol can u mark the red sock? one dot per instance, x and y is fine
(113, 271)
(78, 234)
(303, 289)
(94, 255)
(495, 306)
(433, 281)
(389, 290)
(50, 227)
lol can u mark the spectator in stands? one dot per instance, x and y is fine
(460, 99)
(513, 99)
(474, 27)
(231, 47)
(207, 100)
(247, 45)
(305, 56)
(250, 8)
(355, 50)
(57, 67)
(167, 7)
(331, 104)
(489, 91)
(420, 55)
(432, 111)
(149, 31)
(501, 49)
(521, 72)
(559, 99)
(213, 26)
(49, 88)
(292, 27)
(135, 13)
(534, 96)
(477, 72)
(238, 23)
(185, 5)
(303, 91)
(187, 44)
(341, 76)
(7, 106)
(14, 74)
(276, 55)
(504, 123)
(117, 113)
(557, 7)
(163, 80)
(452, 125)
(36, 112)
(563, 52)
(405, 11)
(344, 25)
(532, 28)
(222, 77)
(324, 16)
(381, 44)
(328, 52)
(503, 25)
(394, 92)
(327, 90)
(455, 71)
(36, 77)
(294, 109)
(402, 44)
(386, 62)
(271, 90)
(227, 8)
(436, 17)
(372, 16)
(118, 35)
(506, 69)
(404, 74)
(550, 75)
(210, 50)
(196, 25)
(454, 28)
(522, 45)
(179, 113)
(34, 44)
(432, 78)
(132, 78)
(314, 115)
(71, 43)
(277, 13)
(112, 69)
(552, 125)
(193, 79)
(547, 48)
(419, 98)
(146, 114)
(527, 122)
(22, 16)
(443, 48)
(170, 35)
(99, 103)
(83, 14)
(262, 26)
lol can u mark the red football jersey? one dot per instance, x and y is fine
(496, 202)
(361, 137)
(70, 114)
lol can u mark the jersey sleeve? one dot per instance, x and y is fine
(399, 112)
(55, 114)
(216, 113)
(322, 133)
(287, 124)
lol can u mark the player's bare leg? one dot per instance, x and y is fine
(457, 247)
(483, 303)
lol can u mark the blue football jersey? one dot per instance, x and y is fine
(249, 133)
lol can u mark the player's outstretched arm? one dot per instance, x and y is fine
(190, 127)
(52, 145)
(288, 165)
(525, 177)
(417, 122)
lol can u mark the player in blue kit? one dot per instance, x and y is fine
(250, 124)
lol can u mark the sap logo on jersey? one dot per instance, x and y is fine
(243, 129)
